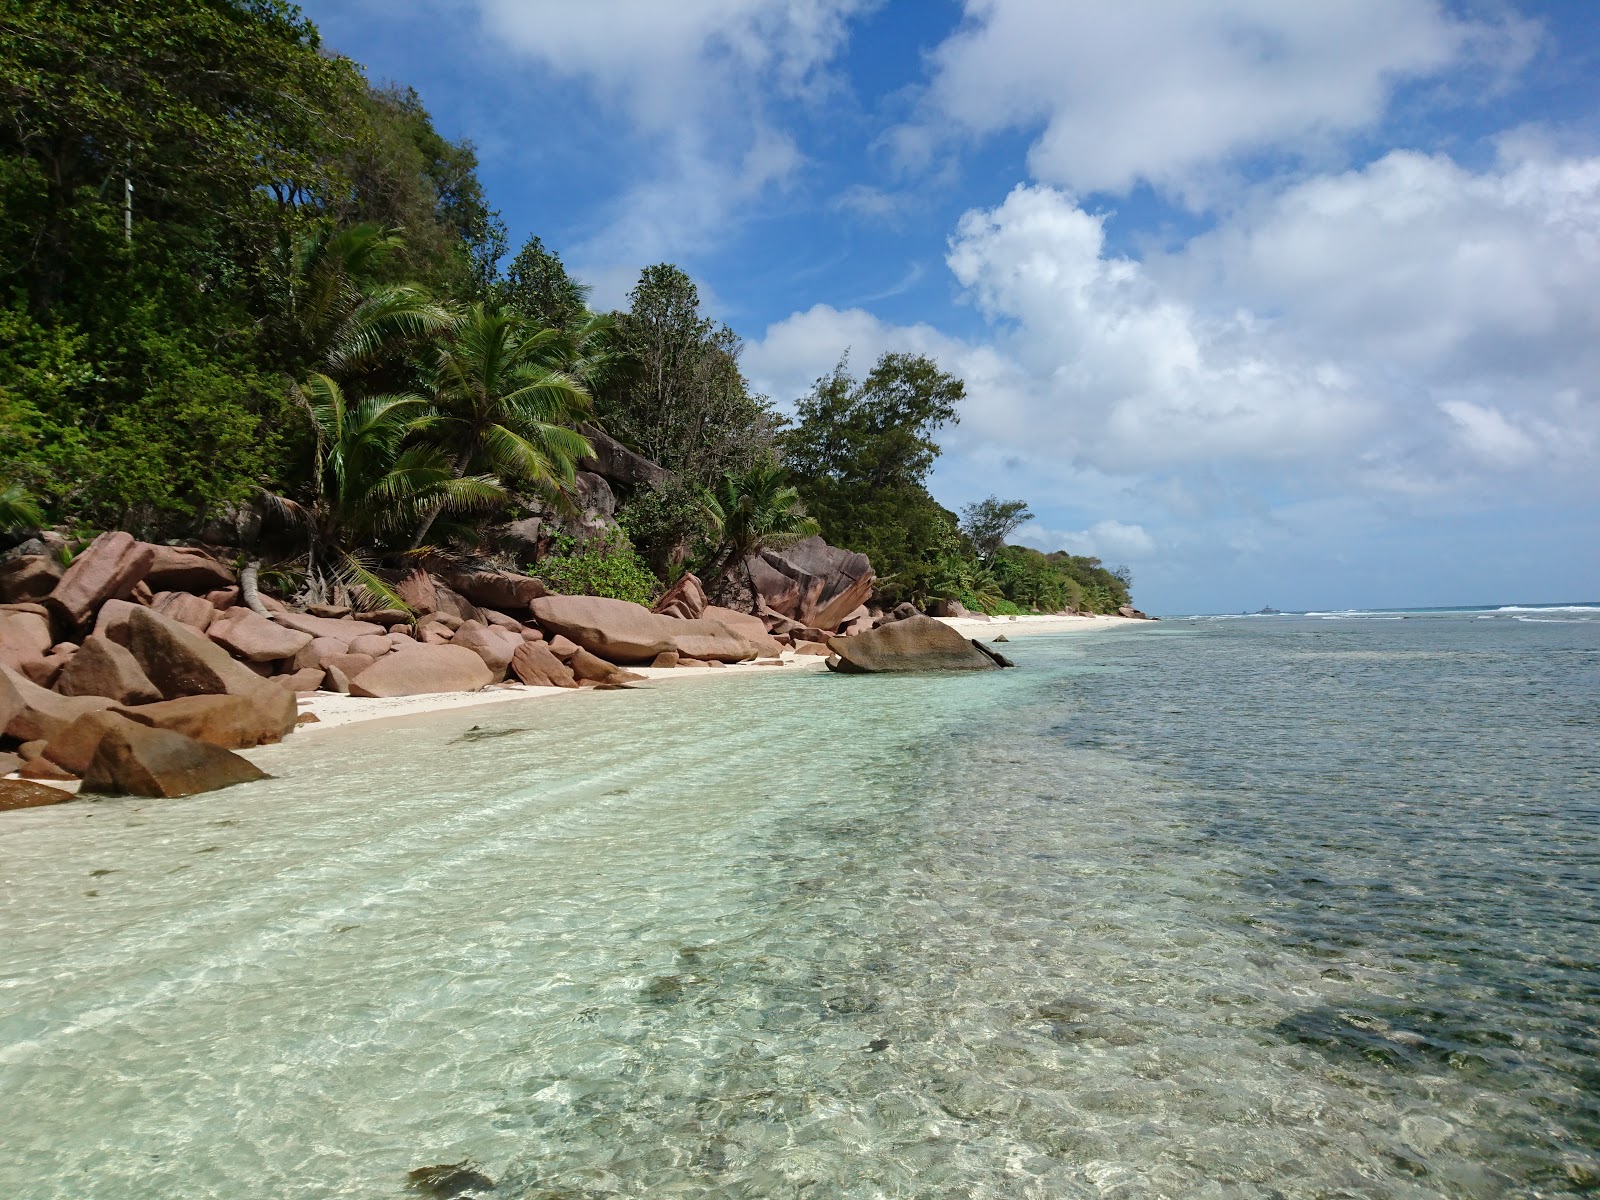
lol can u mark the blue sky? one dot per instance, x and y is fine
(1275, 303)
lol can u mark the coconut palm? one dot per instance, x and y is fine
(501, 404)
(336, 317)
(371, 487)
(751, 511)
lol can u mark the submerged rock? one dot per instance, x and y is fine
(915, 644)
(448, 1179)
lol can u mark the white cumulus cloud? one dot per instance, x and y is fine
(1163, 92)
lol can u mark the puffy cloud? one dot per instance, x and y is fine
(682, 59)
(1165, 93)
(1414, 330)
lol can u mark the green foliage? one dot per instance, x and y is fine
(1053, 582)
(861, 453)
(679, 397)
(670, 523)
(752, 510)
(988, 523)
(537, 285)
(606, 566)
(404, 175)
(18, 509)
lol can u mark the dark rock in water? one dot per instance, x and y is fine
(1002, 638)
(917, 643)
(448, 1179)
(1000, 660)
(877, 1044)
(666, 989)
(478, 733)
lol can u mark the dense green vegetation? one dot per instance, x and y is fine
(271, 285)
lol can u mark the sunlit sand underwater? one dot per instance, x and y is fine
(1303, 909)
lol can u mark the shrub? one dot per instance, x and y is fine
(607, 566)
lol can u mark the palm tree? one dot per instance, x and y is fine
(336, 317)
(751, 511)
(370, 487)
(18, 508)
(501, 404)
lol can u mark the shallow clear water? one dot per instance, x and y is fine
(1279, 908)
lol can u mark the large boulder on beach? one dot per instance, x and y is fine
(494, 645)
(262, 718)
(915, 644)
(252, 637)
(614, 630)
(103, 668)
(593, 669)
(748, 626)
(186, 569)
(22, 793)
(109, 568)
(535, 665)
(422, 670)
(811, 582)
(29, 712)
(711, 641)
(182, 661)
(140, 760)
(28, 577)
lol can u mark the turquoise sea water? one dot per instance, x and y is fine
(1288, 907)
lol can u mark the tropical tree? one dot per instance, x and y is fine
(752, 510)
(336, 319)
(370, 486)
(988, 523)
(500, 404)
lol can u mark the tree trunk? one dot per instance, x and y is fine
(250, 588)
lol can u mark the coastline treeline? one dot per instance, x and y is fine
(249, 297)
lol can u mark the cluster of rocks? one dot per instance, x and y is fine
(141, 668)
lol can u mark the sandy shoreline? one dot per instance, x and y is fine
(335, 711)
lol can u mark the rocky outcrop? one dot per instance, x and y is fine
(109, 568)
(139, 760)
(195, 611)
(422, 670)
(812, 582)
(615, 630)
(20, 793)
(23, 635)
(252, 637)
(503, 590)
(535, 665)
(184, 569)
(262, 718)
(752, 628)
(915, 644)
(28, 577)
(685, 599)
(103, 668)
(615, 463)
(29, 712)
(181, 661)
(344, 629)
